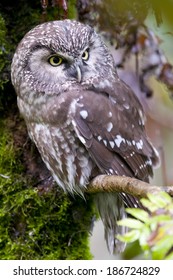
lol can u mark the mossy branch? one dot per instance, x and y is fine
(137, 188)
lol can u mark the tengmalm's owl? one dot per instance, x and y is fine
(83, 119)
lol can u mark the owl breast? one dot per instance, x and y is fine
(63, 154)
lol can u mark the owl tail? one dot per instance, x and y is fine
(111, 209)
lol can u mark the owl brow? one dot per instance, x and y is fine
(38, 47)
(51, 52)
(90, 45)
(33, 49)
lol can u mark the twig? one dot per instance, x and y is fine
(137, 188)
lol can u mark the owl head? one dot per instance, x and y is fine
(60, 53)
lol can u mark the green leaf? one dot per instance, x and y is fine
(138, 213)
(169, 257)
(144, 235)
(148, 204)
(170, 208)
(160, 219)
(167, 197)
(130, 236)
(161, 200)
(131, 223)
(162, 248)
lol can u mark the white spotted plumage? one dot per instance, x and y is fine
(83, 119)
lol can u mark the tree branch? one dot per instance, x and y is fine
(113, 183)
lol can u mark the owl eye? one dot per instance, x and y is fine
(55, 60)
(85, 55)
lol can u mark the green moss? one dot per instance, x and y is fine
(72, 12)
(4, 50)
(51, 225)
(33, 224)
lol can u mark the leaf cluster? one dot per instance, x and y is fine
(153, 227)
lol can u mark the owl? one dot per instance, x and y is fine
(83, 119)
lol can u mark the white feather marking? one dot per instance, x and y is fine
(71, 169)
(126, 106)
(105, 142)
(129, 143)
(59, 182)
(84, 114)
(141, 116)
(109, 127)
(133, 142)
(112, 144)
(82, 139)
(118, 140)
(148, 162)
(111, 171)
(139, 145)
(110, 114)
(99, 138)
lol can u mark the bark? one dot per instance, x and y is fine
(137, 188)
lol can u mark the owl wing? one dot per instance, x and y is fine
(110, 123)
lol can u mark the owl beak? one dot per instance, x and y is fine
(75, 70)
(79, 74)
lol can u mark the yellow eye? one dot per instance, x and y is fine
(85, 55)
(55, 60)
